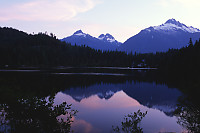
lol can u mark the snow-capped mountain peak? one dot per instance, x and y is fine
(107, 37)
(103, 42)
(106, 95)
(173, 21)
(79, 33)
(171, 34)
(101, 37)
(172, 25)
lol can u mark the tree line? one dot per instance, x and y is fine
(18, 48)
(174, 59)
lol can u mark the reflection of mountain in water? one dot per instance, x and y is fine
(154, 96)
(149, 94)
(102, 90)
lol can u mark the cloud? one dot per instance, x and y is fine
(163, 3)
(53, 10)
(82, 126)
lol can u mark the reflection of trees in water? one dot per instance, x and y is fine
(35, 115)
(131, 123)
(188, 115)
(24, 108)
(14, 86)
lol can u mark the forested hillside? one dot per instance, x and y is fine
(176, 63)
(18, 48)
(42, 50)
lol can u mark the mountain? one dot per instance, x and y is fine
(104, 92)
(171, 34)
(103, 42)
(157, 97)
(109, 38)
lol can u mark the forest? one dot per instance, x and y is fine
(41, 50)
(184, 61)
(18, 48)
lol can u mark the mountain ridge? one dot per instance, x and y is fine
(171, 34)
(103, 42)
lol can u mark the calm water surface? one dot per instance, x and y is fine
(104, 105)
(102, 99)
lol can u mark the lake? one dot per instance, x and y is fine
(101, 97)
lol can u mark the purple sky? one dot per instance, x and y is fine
(122, 19)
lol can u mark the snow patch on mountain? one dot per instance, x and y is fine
(103, 42)
(106, 95)
(79, 98)
(110, 40)
(172, 25)
(171, 34)
(110, 93)
(164, 108)
(107, 37)
(101, 37)
(79, 33)
(169, 110)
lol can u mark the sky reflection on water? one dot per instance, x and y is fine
(99, 114)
